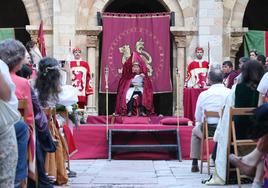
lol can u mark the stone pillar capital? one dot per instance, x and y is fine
(33, 31)
(180, 41)
(92, 41)
(235, 42)
(180, 35)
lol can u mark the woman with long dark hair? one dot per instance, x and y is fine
(50, 92)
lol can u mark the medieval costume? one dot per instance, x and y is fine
(50, 94)
(44, 144)
(197, 71)
(125, 90)
(80, 72)
(229, 78)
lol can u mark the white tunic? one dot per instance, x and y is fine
(137, 82)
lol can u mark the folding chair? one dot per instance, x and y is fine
(65, 115)
(22, 108)
(205, 140)
(51, 114)
(232, 141)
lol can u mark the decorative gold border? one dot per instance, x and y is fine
(134, 16)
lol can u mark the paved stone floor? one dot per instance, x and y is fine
(136, 174)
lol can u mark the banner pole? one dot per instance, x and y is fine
(106, 70)
(178, 98)
(209, 66)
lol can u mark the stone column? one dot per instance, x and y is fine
(235, 43)
(180, 73)
(233, 38)
(92, 100)
(180, 38)
(92, 42)
(210, 26)
(64, 13)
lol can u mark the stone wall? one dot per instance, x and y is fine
(197, 22)
(38, 10)
(63, 27)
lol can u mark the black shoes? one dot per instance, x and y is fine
(194, 168)
(129, 114)
(142, 114)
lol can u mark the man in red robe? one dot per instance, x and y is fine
(197, 70)
(129, 87)
(80, 72)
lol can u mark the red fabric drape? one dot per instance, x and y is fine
(125, 33)
(70, 140)
(190, 96)
(92, 143)
(41, 40)
(124, 84)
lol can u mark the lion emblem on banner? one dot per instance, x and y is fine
(126, 53)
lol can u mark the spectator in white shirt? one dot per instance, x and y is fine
(8, 141)
(263, 86)
(212, 99)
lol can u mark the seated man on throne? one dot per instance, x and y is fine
(134, 85)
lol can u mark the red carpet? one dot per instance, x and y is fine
(135, 120)
(92, 143)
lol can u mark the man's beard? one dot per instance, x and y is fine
(199, 56)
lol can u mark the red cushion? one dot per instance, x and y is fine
(174, 121)
(135, 120)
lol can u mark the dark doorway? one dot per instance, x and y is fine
(135, 6)
(13, 15)
(163, 103)
(255, 18)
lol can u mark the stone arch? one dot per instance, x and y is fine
(87, 35)
(234, 11)
(39, 10)
(185, 12)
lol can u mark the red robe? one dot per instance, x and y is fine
(80, 79)
(197, 72)
(124, 84)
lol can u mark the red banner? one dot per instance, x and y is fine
(149, 35)
(41, 40)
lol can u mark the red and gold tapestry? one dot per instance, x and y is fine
(147, 34)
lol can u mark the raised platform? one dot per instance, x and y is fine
(168, 120)
(92, 142)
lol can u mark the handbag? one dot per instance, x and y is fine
(8, 116)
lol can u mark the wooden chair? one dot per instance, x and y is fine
(205, 140)
(232, 141)
(22, 107)
(50, 113)
(65, 115)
